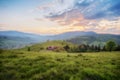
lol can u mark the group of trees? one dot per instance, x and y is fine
(109, 46)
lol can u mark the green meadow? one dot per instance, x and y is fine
(59, 39)
(49, 65)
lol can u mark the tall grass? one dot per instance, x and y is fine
(46, 65)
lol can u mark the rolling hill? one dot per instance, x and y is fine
(16, 39)
(42, 46)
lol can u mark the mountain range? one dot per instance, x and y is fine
(16, 39)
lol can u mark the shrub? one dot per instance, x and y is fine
(41, 48)
(66, 48)
(12, 56)
(80, 55)
(59, 49)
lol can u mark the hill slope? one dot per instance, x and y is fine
(42, 46)
(15, 39)
(95, 40)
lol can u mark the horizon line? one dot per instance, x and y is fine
(53, 34)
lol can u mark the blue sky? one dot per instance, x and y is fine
(58, 16)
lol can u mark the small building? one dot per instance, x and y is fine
(51, 47)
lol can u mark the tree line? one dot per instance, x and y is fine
(109, 46)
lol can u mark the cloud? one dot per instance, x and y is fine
(106, 26)
(90, 9)
(95, 8)
(91, 15)
(2, 26)
(56, 7)
(68, 18)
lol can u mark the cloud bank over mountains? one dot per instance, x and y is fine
(89, 14)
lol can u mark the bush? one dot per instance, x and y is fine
(66, 48)
(59, 49)
(12, 56)
(41, 48)
(1, 50)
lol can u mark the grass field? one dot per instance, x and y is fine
(46, 65)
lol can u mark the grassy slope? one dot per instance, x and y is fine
(37, 47)
(44, 65)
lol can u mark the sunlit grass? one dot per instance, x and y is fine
(48, 65)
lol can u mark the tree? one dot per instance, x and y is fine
(87, 47)
(28, 48)
(118, 48)
(92, 48)
(75, 49)
(110, 45)
(99, 48)
(96, 48)
(103, 49)
(82, 48)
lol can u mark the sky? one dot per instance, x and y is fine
(58, 16)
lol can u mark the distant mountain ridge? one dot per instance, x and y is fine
(99, 39)
(68, 35)
(16, 39)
